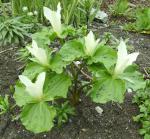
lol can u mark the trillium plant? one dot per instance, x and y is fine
(65, 64)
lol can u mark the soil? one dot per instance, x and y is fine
(116, 122)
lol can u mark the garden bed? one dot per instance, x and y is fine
(116, 121)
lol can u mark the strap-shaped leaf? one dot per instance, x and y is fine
(38, 117)
(105, 55)
(72, 50)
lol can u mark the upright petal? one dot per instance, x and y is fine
(90, 43)
(40, 81)
(26, 81)
(34, 89)
(124, 60)
(42, 56)
(122, 51)
(55, 18)
(131, 58)
(39, 53)
(34, 44)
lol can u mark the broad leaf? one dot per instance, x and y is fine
(57, 64)
(133, 78)
(42, 37)
(21, 96)
(38, 117)
(72, 50)
(99, 71)
(109, 89)
(33, 69)
(56, 85)
(105, 55)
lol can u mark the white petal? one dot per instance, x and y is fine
(58, 8)
(39, 53)
(26, 81)
(122, 51)
(132, 57)
(90, 43)
(55, 18)
(47, 12)
(40, 80)
(124, 60)
(34, 44)
(41, 56)
(34, 89)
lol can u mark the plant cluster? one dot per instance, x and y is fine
(142, 23)
(12, 31)
(74, 11)
(142, 98)
(120, 7)
(63, 63)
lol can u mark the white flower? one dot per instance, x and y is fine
(25, 9)
(55, 18)
(34, 89)
(30, 14)
(90, 44)
(39, 53)
(124, 59)
(35, 12)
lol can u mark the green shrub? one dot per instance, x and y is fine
(142, 23)
(120, 7)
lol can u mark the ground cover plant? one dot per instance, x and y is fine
(120, 8)
(12, 31)
(142, 23)
(59, 74)
(142, 98)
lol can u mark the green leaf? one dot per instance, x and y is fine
(105, 55)
(72, 50)
(21, 96)
(32, 70)
(42, 37)
(57, 64)
(133, 78)
(99, 71)
(56, 85)
(108, 89)
(147, 136)
(38, 117)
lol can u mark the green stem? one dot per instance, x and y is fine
(61, 41)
